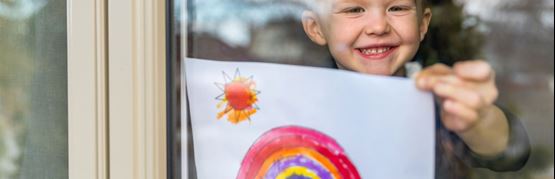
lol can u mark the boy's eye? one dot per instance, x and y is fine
(400, 10)
(354, 10)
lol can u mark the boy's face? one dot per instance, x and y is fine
(368, 36)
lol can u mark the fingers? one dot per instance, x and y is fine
(464, 91)
(429, 77)
(458, 117)
(468, 97)
(475, 70)
(460, 106)
(437, 69)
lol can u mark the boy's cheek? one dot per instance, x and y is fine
(408, 29)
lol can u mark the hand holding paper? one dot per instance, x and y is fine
(467, 93)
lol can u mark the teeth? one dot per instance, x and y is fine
(373, 51)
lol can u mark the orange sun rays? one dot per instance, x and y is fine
(239, 97)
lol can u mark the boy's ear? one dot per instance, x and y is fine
(312, 28)
(425, 23)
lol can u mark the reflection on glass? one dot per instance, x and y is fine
(33, 95)
(515, 37)
(518, 41)
(252, 30)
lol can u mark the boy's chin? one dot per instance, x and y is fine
(377, 70)
(381, 73)
(369, 69)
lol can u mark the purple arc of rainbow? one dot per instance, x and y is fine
(299, 160)
(295, 151)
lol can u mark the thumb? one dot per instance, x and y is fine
(476, 70)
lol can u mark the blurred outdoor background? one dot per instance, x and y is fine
(515, 36)
(33, 89)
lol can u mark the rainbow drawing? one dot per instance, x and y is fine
(294, 152)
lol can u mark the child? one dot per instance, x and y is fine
(380, 36)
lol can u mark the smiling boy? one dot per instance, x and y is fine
(379, 36)
(374, 37)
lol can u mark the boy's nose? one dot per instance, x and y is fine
(377, 24)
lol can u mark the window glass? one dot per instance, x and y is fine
(267, 31)
(33, 89)
(514, 37)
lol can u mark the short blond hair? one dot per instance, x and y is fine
(313, 5)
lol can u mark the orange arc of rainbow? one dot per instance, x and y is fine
(291, 152)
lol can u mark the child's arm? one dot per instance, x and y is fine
(467, 93)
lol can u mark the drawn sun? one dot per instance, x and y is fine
(239, 97)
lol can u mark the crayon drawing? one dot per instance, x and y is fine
(296, 152)
(239, 97)
(245, 122)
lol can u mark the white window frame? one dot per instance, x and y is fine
(116, 89)
(87, 97)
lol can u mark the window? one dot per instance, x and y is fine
(515, 38)
(33, 89)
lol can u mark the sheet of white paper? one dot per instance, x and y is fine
(384, 124)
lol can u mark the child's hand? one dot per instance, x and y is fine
(467, 92)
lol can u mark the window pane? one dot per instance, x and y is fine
(266, 31)
(517, 41)
(33, 89)
(515, 37)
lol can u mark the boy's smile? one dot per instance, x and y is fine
(369, 36)
(375, 52)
